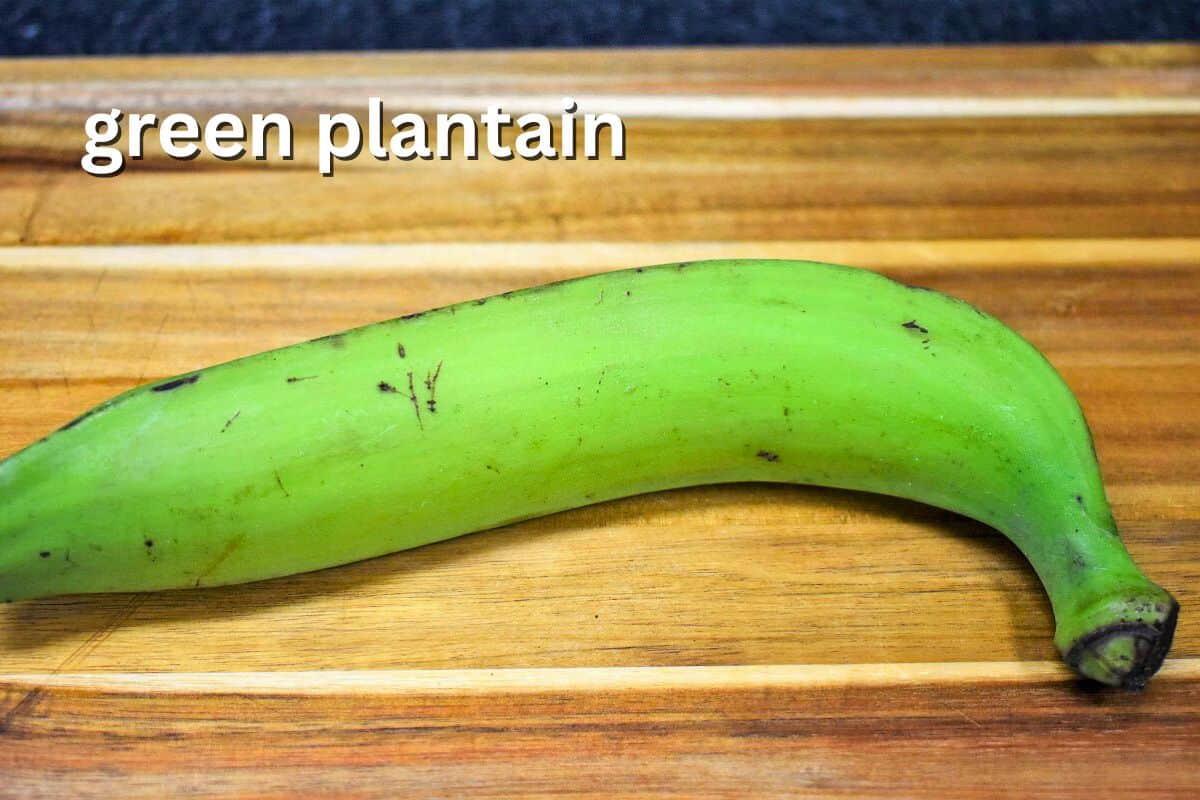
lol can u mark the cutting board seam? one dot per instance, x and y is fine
(603, 679)
(534, 256)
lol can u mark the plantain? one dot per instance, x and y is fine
(468, 417)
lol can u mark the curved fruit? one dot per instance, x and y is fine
(422, 428)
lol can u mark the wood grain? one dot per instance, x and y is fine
(731, 641)
(783, 732)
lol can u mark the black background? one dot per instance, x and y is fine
(47, 27)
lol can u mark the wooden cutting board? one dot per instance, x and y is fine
(728, 641)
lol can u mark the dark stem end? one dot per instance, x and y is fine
(1126, 653)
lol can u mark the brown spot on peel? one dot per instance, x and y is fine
(431, 385)
(334, 340)
(230, 547)
(176, 383)
(416, 404)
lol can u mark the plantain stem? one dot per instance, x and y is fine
(1127, 641)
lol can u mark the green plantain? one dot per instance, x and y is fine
(468, 417)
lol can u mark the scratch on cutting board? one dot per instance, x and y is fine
(39, 202)
(30, 699)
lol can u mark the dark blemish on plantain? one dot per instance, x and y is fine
(334, 340)
(279, 483)
(298, 378)
(175, 384)
(230, 546)
(107, 404)
(149, 543)
(1079, 500)
(82, 417)
(913, 325)
(400, 351)
(229, 421)
(416, 404)
(628, 293)
(682, 265)
(386, 387)
(414, 315)
(44, 554)
(916, 288)
(640, 270)
(431, 379)
(767, 455)
(787, 412)
(481, 301)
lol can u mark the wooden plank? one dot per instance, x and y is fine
(779, 144)
(1095, 70)
(694, 732)
(755, 180)
(723, 575)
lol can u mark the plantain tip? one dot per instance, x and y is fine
(1125, 654)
